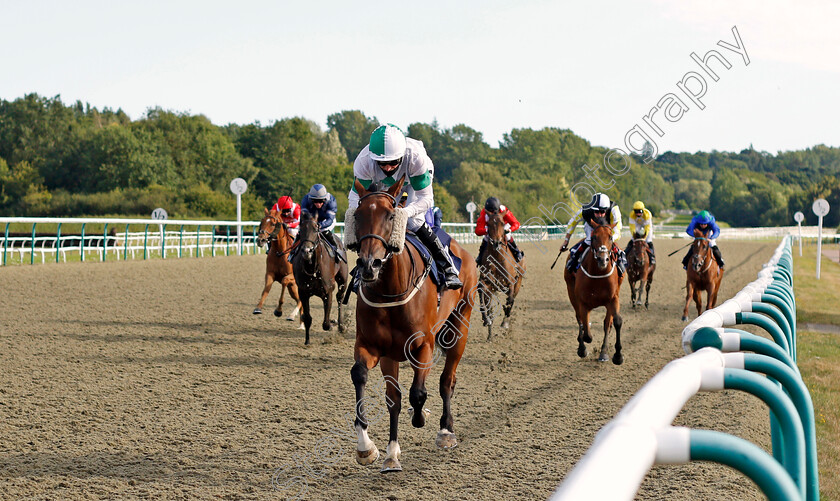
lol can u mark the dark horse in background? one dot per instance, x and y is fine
(277, 266)
(702, 274)
(317, 273)
(500, 273)
(398, 318)
(639, 271)
(597, 283)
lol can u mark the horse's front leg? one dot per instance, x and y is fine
(393, 398)
(482, 294)
(446, 438)
(647, 292)
(306, 317)
(341, 313)
(366, 451)
(269, 280)
(689, 292)
(290, 283)
(511, 296)
(698, 299)
(584, 335)
(632, 293)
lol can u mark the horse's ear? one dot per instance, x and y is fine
(396, 187)
(360, 190)
(266, 211)
(697, 233)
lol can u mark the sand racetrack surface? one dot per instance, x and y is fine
(153, 380)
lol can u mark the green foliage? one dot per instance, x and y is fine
(69, 160)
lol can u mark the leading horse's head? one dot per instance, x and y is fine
(379, 227)
(700, 252)
(308, 236)
(496, 230)
(602, 242)
(270, 226)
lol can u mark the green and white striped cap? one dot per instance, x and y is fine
(387, 143)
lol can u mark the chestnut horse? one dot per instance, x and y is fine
(639, 271)
(597, 283)
(316, 273)
(500, 273)
(398, 318)
(702, 274)
(277, 266)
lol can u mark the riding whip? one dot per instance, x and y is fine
(681, 248)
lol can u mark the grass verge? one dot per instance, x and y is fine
(819, 358)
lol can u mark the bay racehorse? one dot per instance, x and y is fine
(398, 318)
(500, 273)
(275, 234)
(639, 271)
(702, 274)
(317, 273)
(597, 283)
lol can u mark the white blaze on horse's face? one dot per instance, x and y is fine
(602, 256)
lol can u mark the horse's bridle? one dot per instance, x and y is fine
(497, 244)
(702, 259)
(272, 235)
(389, 249)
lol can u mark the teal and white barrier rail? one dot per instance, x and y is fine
(641, 434)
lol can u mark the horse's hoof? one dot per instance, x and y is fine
(582, 351)
(446, 440)
(326, 326)
(301, 327)
(290, 318)
(618, 359)
(587, 338)
(391, 465)
(505, 324)
(684, 319)
(603, 358)
(365, 458)
(278, 313)
(418, 420)
(257, 311)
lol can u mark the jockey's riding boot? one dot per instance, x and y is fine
(339, 250)
(685, 259)
(574, 254)
(517, 254)
(651, 253)
(621, 262)
(718, 257)
(441, 256)
(481, 251)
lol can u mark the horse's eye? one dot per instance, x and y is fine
(392, 216)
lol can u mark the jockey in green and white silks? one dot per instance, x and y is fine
(388, 157)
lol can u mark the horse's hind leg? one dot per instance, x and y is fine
(417, 394)
(647, 289)
(613, 309)
(338, 297)
(327, 309)
(393, 399)
(293, 292)
(632, 293)
(366, 451)
(269, 280)
(446, 438)
(608, 318)
(278, 312)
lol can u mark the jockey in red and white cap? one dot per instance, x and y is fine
(289, 213)
(492, 206)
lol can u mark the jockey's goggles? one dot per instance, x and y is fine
(387, 163)
(638, 211)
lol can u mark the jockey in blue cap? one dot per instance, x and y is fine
(321, 205)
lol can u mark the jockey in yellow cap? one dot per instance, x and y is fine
(641, 227)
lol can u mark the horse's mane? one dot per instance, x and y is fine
(376, 186)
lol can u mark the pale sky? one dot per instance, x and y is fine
(594, 67)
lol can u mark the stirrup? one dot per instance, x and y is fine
(452, 282)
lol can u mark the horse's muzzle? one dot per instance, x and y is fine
(370, 268)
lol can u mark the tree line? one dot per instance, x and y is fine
(75, 160)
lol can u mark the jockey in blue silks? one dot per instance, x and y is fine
(321, 205)
(705, 222)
